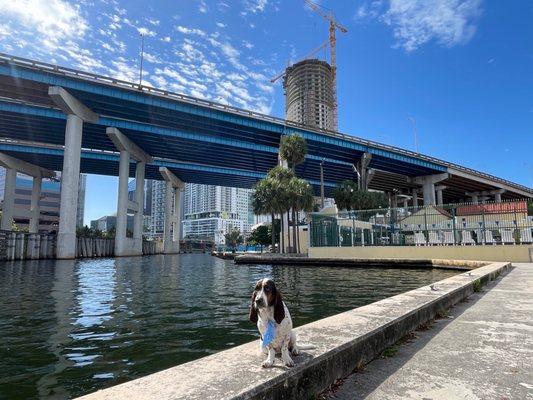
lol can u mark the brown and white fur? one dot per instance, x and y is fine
(267, 304)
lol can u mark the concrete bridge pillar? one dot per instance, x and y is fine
(9, 199)
(429, 193)
(77, 114)
(14, 165)
(428, 186)
(174, 190)
(415, 197)
(364, 174)
(34, 206)
(139, 199)
(125, 246)
(122, 206)
(483, 195)
(439, 190)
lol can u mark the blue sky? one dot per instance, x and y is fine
(463, 69)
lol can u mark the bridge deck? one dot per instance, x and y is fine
(220, 144)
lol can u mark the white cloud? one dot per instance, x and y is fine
(190, 31)
(265, 88)
(54, 20)
(229, 50)
(369, 10)
(152, 58)
(247, 44)
(416, 22)
(108, 47)
(201, 63)
(222, 6)
(145, 32)
(203, 7)
(126, 70)
(255, 6)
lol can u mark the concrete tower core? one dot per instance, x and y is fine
(309, 99)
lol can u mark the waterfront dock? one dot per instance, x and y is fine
(483, 349)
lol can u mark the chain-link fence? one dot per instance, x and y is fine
(505, 223)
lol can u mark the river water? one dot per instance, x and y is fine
(68, 328)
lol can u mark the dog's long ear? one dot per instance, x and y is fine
(253, 311)
(279, 309)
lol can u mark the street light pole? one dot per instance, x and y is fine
(142, 59)
(415, 132)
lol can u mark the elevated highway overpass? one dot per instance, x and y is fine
(56, 117)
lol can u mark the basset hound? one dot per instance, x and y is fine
(274, 323)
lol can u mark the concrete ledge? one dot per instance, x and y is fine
(361, 262)
(500, 253)
(342, 343)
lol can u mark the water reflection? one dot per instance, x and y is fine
(71, 327)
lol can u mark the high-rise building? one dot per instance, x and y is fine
(81, 200)
(109, 222)
(147, 210)
(49, 201)
(212, 211)
(157, 220)
(309, 94)
(207, 211)
(105, 223)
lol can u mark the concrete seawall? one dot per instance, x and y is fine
(509, 253)
(343, 342)
(462, 265)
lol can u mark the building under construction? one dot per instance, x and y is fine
(310, 95)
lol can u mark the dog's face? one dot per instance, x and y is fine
(266, 295)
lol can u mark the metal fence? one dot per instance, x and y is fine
(506, 223)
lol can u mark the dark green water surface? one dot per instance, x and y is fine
(68, 328)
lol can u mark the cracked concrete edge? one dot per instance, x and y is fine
(343, 343)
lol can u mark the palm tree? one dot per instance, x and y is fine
(301, 194)
(233, 239)
(293, 149)
(349, 197)
(281, 177)
(344, 194)
(263, 201)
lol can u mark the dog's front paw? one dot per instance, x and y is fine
(267, 364)
(289, 363)
(295, 351)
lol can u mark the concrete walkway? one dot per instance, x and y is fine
(482, 350)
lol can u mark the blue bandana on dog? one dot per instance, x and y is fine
(270, 333)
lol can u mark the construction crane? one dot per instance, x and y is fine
(310, 54)
(333, 26)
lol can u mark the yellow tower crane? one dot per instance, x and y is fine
(333, 26)
(309, 55)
